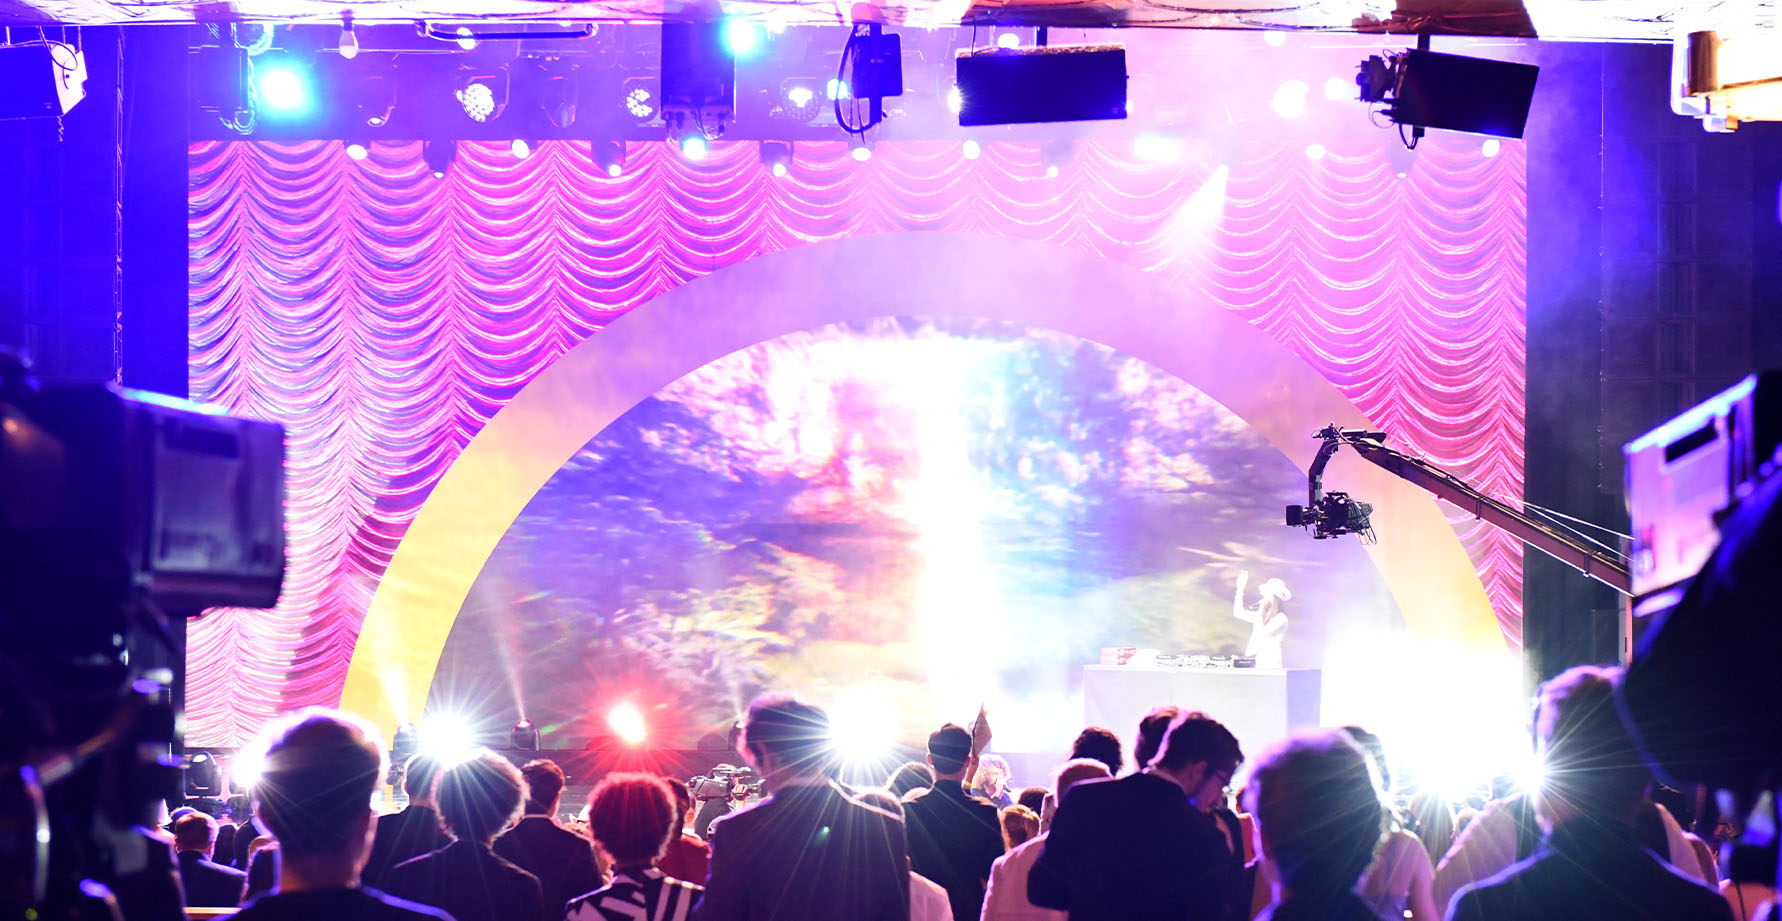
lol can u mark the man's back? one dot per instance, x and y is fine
(808, 853)
(562, 860)
(471, 884)
(402, 836)
(954, 838)
(336, 905)
(1130, 848)
(207, 884)
(1588, 871)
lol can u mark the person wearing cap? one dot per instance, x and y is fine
(1268, 629)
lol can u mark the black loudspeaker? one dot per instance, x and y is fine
(1057, 83)
(41, 79)
(1463, 94)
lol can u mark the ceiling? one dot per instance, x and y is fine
(1592, 20)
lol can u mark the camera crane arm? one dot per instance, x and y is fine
(1592, 561)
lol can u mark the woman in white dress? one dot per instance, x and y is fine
(1269, 625)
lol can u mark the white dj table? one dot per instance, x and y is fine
(1260, 706)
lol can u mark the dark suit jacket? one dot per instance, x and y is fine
(807, 853)
(954, 838)
(470, 883)
(562, 860)
(402, 836)
(1587, 870)
(207, 884)
(1129, 849)
(245, 833)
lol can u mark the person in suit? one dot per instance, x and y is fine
(634, 818)
(564, 862)
(206, 884)
(1320, 822)
(314, 795)
(477, 799)
(954, 837)
(1140, 846)
(1589, 865)
(808, 852)
(415, 830)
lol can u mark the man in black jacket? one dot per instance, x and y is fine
(477, 799)
(808, 852)
(1589, 866)
(1139, 847)
(564, 862)
(206, 884)
(412, 832)
(954, 837)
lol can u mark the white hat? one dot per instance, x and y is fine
(1276, 588)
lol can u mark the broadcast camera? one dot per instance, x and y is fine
(726, 781)
(121, 514)
(1335, 515)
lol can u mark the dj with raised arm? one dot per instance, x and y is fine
(1269, 625)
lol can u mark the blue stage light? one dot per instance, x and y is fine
(742, 37)
(282, 89)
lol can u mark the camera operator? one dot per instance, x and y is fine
(720, 792)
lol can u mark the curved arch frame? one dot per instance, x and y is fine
(915, 274)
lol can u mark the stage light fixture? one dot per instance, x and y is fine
(800, 99)
(48, 79)
(1289, 100)
(742, 37)
(777, 157)
(358, 149)
(483, 96)
(628, 724)
(640, 99)
(521, 147)
(971, 149)
(955, 100)
(1008, 40)
(244, 769)
(466, 39)
(448, 739)
(1056, 83)
(608, 156)
(281, 87)
(376, 99)
(859, 149)
(698, 79)
(693, 147)
(438, 155)
(524, 737)
(559, 95)
(1274, 38)
(348, 46)
(1315, 151)
(837, 88)
(1056, 154)
(1725, 80)
(203, 776)
(1490, 147)
(1425, 89)
(1154, 148)
(1337, 89)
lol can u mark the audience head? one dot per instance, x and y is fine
(949, 751)
(632, 816)
(1202, 755)
(1035, 797)
(315, 786)
(195, 831)
(1019, 824)
(1375, 750)
(683, 805)
(262, 868)
(1068, 775)
(1151, 731)
(881, 799)
(1590, 766)
(1100, 744)
(480, 796)
(420, 779)
(993, 772)
(1318, 813)
(786, 737)
(913, 775)
(544, 786)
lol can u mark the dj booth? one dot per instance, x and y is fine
(1260, 706)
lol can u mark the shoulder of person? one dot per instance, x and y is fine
(401, 908)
